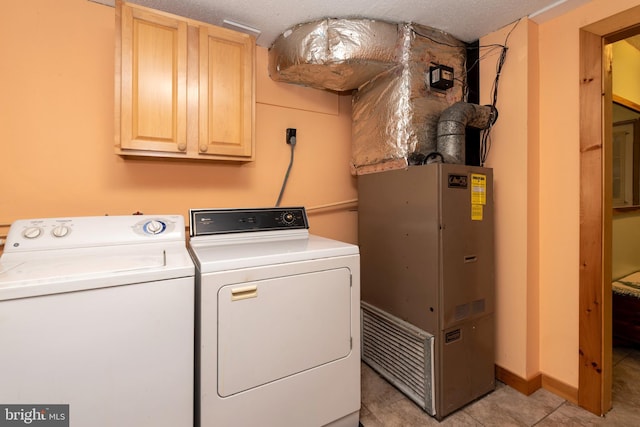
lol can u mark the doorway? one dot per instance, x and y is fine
(595, 336)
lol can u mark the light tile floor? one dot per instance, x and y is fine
(384, 406)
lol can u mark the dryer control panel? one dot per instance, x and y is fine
(223, 221)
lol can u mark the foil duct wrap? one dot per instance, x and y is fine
(395, 110)
(335, 54)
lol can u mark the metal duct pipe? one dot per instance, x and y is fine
(452, 126)
(388, 65)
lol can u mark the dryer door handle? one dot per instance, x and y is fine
(244, 293)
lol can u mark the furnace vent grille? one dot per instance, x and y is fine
(401, 353)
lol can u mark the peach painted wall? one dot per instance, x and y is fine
(514, 158)
(56, 133)
(552, 249)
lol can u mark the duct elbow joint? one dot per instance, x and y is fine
(451, 129)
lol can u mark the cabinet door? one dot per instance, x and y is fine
(226, 92)
(153, 82)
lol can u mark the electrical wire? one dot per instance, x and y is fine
(485, 138)
(286, 176)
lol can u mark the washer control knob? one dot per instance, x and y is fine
(61, 231)
(154, 227)
(32, 232)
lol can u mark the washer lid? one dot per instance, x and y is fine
(28, 274)
(212, 253)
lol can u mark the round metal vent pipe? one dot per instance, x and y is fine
(451, 129)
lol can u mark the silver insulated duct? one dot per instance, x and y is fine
(403, 77)
(334, 54)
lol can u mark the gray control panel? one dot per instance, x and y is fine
(205, 222)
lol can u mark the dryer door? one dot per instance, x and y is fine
(271, 329)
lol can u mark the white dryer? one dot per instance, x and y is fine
(97, 313)
(277, 321)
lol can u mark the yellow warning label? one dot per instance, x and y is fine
(478, 189)
(476, 212)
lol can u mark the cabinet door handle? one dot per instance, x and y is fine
(244, 293)
(203, 148)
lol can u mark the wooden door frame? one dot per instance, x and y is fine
(595, 334)
(594, 307)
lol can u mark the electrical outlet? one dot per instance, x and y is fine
(291, 136)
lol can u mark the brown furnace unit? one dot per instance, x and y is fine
(427, 282)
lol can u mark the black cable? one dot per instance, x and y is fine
(286, 176)
(435, 156)
(485, 140)
(462, 79)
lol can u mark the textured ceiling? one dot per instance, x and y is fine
(467, 20)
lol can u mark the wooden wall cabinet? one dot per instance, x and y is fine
(184, 89)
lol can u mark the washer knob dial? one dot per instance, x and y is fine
(154, 227)
(32, 232)
(61, 231)
(288, 218)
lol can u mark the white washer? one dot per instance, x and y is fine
(277, 321)
(98, 313)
